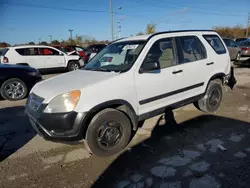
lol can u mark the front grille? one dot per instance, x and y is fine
(34, 101)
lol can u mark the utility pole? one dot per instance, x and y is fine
(50, 36)
(70, 31)
(119, 29)
(111, 19)
(39, 41)
(248, 21)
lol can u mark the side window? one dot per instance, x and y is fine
(48, 51)
(28, 51)
(190, 49)
(163, 52)
(215, 43)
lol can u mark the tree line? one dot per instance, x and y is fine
(228, 32)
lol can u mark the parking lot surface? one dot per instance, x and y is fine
(186, 148)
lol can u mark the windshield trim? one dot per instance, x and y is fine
(126, 41)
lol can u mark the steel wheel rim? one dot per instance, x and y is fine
(14, 90)
(109, 134)
(74, 67)
(214, 98)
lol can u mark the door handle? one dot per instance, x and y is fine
(178, 71)
(210, 63)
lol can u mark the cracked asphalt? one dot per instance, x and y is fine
(186, 148)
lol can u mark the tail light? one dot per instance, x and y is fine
(5, 60)
(109, 59)
(245, 49)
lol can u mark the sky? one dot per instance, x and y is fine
(23, 21)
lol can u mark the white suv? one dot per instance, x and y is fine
(103, 104)
(41, 57)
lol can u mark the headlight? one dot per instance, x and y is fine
(34, 73)
(63, 103)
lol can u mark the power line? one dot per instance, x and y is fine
(204, 11)
(53, 7)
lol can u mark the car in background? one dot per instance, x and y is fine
(16, 81)
(239, 40)
(245, 48)
(41, 58)
(94, 49)
(233, 48)
(71, 48)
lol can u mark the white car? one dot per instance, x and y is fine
(103, 103)
(40, 57)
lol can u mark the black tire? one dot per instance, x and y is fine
(18, 93)
(100, 128)
(73, 65)
(212, 99)
(238, 56)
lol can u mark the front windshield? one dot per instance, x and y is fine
(118, 57)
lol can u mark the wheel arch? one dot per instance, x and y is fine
(216, 76)
(119, 104)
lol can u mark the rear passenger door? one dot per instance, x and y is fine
(194, 64)
(31, 56)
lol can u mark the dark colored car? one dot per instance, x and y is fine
(93, 49)
(17, 80)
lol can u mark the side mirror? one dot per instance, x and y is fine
(149, 66)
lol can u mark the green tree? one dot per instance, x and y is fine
(31, 43)
(44, 43)
(151, 28)
(140, 33)
(55, 42)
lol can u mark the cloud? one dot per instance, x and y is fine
(183, 10)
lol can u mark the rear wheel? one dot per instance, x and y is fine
(212, 99)
(108, 133)
(73, 65)
(14, 89)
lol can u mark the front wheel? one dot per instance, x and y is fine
(108, 133)
(14, 89)
(212, 99)
(73, 65)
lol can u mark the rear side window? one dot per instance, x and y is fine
(190, 49)
(27, 51)
(215, 43)
(5, 51)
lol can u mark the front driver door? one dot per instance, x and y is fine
(159, 88)
(52, 58)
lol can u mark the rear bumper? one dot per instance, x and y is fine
(230, 79)
(56, 126)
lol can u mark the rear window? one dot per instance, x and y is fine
(5, 51)
(215, 43)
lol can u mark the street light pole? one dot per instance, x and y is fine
(248, 21)
(111, 19)
(70, 31)
(50, 36)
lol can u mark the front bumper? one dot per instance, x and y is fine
(56, 126)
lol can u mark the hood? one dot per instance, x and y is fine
(75, 80)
